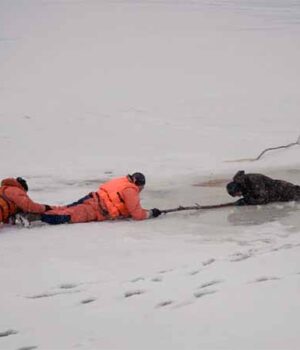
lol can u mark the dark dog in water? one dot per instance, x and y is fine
(261, 189)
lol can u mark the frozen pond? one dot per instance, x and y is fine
(179, 90)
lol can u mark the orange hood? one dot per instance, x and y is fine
(11, 182)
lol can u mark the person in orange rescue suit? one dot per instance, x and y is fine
(116, 199)
(14, 199)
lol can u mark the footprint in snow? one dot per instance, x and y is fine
(131, 293)
(68, 285)
(87, 301)
(157, 279)
(286, 246)
(203, 293)
(210, 283)
(164, 303)
(208, 262)
(8, 332)
(204, 263)
(165, 271)
(265, 279)
(137, 279)
(183, 304)
(239, 257)
(64, 290)
(51, 294)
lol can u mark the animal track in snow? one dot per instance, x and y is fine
(8, 332)
(131, 293)
(28, 347)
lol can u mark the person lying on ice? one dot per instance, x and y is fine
(115, 199)
(14, 199)
(260, 189)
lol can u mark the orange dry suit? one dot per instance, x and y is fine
(120, 198)
(13, 199)
(117, 198)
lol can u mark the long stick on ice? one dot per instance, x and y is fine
(198, 207)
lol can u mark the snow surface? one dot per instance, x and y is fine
(180, 90)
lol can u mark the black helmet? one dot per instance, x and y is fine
(138, 179)
(233, 188)
(23, 183)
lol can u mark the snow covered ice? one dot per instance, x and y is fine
(180, 90)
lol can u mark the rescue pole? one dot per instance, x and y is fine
(198, 207)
